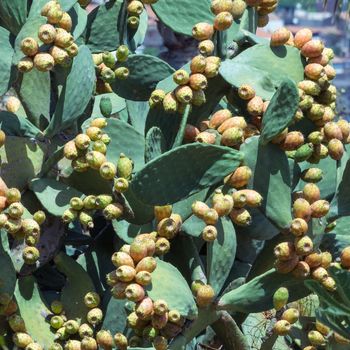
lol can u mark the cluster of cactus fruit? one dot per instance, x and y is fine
(111, 207)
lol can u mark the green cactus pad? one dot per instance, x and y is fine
(136, 38)
(53, 195)
(272, 181)
(280, 112)
(264, 75)
(72, 101)
(340, 204)
(127, 232)
(13, 14)
(155, 144)
(78, 283)
(101, 34)
(183, 171)
(181, 16)
(33, 310)
(221, 254)
(23, 152)
(256, 295)
(79, 18)
(173, 289)
(13, 125)
(118, 104)
(137, 113)
(8, 275)
(37, 106)
(115, 314)
(6, 53)
(146, 72)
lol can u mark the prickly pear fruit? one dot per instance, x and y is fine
(282, 327)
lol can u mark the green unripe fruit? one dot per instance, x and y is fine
(21, 339)
(330, 284)
(105, 108)
(304, 152)
(72, 345)
(29, 46)
(175, 317)
(86, 219)
(232, 137)
(13, 195)
(56, 322)
(15, 210)
(94, 133)
(103, 200)
(121, 341)
(82, 142)
(88, 343)
(32, 240)
(306, 103)
(312, 175)
(209, 233)
(291, 315)
(181, 77)
(30, 255)
(99, 146)
(16, 323)
(319, 274)
(70, 150)
(134, 292)
(184, 94)
(95, 159)
(69, 215)
(170, 103)
(310, 87)
(143, 278)
(108, 170)
(133, 22)
(113, 211)
(72, 327)
(25, 65)
(206, 47)
(60, 56)
(149, 333)
(125, 166)
(282, 327)
(108, 75)
(121, 185)
(56, 307)
(162, 246)
(47, 33)
(135, 8)
(30, 226)
(92, 300)
(303, 245)
(205, 295)
(54, 15)
(202, 31)
(50, 4)
(160, 307)
(63, 38)
(95, 316)
(61, 334)
(284, 251)
(39, 216)
(104, 339)
(122, 53)
(122, 73)
(316, 338)
(122, 258)
(12, 226)
(241, 217)
(108, 59)
(157, 97)
(85, 330)
(76, 203)
(66, 22)
(102, 122)
(280, 298)
(44, 62)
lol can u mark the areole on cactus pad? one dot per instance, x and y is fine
(144, 207)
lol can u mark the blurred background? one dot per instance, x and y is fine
(329, 20)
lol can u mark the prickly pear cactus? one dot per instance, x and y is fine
(143, 207)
